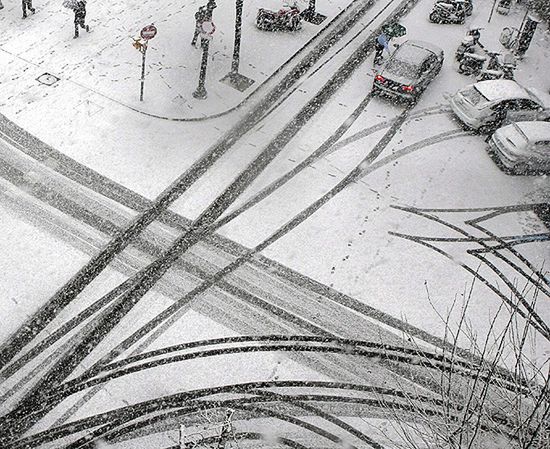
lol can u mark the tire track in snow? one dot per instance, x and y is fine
(106, 226)
(123, 420)
(531, 316)
(154, 250)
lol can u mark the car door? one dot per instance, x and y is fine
(522, 110)
(427, 70)
(541, 153)
(424, 69)
(499, 112)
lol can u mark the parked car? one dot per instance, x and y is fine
(489, 104)
(409, 70)
(523, 147)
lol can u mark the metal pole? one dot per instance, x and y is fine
(200, 92)
(143, 70)
(237, 45)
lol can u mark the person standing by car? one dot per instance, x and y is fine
(80, 17)
(382, 42)
(27, 4)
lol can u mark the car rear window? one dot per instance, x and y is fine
(474, 96)
(402, 68)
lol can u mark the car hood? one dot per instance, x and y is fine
(512, 137)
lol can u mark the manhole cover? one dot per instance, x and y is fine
(48, 79)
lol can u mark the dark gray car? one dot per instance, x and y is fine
(409, 70)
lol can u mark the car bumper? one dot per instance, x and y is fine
(471, 122)
(385, 90)
(505, 158)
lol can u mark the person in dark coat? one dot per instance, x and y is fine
(27, 4)
(382, 42)
(200, 17)
(80, 17)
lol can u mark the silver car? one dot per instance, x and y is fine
(523, 147)
(488, 104)
(409, 70)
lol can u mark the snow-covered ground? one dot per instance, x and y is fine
(367, 242)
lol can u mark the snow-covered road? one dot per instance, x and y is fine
(359, 218)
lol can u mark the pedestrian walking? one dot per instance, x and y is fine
(80, 17)
(382, 42)
(27, 5)
(200, 17)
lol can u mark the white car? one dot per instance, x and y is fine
(489, 104)
(523, 147)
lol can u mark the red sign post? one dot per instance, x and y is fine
(148, 32)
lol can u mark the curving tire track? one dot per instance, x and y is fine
(531, 316)
(298, 343)
(182, 404)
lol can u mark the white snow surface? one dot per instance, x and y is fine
(90, 116)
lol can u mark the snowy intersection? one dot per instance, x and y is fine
(367, 241)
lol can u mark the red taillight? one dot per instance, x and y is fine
(408, 88)
(380, 78)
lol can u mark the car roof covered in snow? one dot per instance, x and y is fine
(501, 90)
(416, 51)
(535, 131)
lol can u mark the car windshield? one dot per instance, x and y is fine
(402, 68)
(474, 96)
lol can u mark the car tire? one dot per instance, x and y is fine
(434, 18)
(520, 169)
(411, 102)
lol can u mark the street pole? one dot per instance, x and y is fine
(312, 16)
(200, 92)
(143, 52)
(238, 27)
(234, 78)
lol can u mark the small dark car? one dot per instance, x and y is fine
(409, 70)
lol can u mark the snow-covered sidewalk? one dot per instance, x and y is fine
(104, 62)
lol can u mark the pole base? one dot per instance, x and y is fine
(313, 17)
(238, 81)
(200, 93)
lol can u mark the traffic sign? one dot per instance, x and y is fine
(148, 32)
(207, 29)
